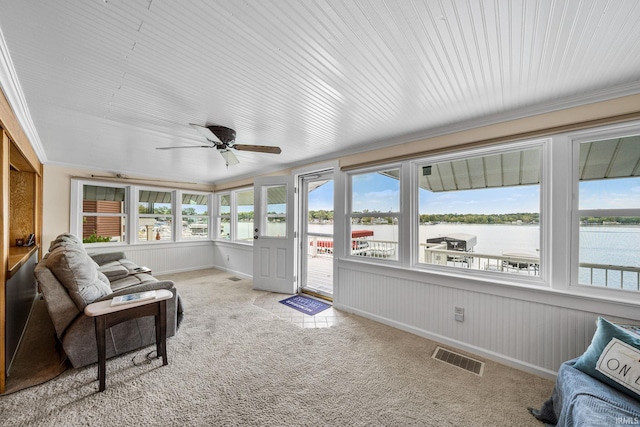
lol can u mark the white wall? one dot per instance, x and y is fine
(531, 329)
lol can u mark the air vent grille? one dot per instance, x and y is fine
(459, 361)
(235, 279)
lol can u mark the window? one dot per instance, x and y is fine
(275, 198)
(609, 213)
(106, 212)
(481, 211)
(155, 215)
(195, 216)
(104, 215)
(374, 217)
(223, 218)
(235, 215)
(244, 215)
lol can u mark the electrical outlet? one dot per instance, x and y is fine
(459, 314)
(227, 257)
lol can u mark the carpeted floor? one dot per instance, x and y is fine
(233, 363)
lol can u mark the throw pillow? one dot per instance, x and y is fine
(613, 357)
(78, 274)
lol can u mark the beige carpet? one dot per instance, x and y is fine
(234, 363)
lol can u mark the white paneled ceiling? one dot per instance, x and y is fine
(108, 81)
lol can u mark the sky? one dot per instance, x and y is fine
(377, 192)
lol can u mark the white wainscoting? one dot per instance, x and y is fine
(236, 258)
(536, 336)
(168, 258)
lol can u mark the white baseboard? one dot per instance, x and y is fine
(508, 361)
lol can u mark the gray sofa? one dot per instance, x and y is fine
(70, 279)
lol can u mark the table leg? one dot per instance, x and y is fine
(102, 350)
(161, 332)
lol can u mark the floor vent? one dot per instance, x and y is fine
(235, 279)
(459, 361)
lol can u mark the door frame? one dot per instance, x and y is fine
(320, 168)
(303, 209)
(274, 257)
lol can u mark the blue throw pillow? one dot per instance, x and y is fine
(619, 366)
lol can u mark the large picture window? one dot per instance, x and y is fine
(374, 217)
(481, 211)
(609, 213)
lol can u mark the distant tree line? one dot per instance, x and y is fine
(525, 218)
(599, 220)
(321, 215)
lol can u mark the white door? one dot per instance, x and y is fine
(273, 244)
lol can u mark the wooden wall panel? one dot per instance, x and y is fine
(21, 205)
(4, 248)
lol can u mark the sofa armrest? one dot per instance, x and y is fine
(61, 307)
(104, 258)
(142, 287)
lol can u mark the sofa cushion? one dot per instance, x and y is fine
(131, 280)
(114, 270)
(612, 357)
(79, 274)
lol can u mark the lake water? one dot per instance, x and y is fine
(609, 245)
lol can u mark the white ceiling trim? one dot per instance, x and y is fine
(10, 85)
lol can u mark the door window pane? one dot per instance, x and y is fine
(275, 199)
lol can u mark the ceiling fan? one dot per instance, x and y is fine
(223, 139)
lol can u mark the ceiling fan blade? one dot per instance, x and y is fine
(186, 146)
(257, 148)
(206, 132)
(229, 157)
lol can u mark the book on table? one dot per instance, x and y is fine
(136, 297)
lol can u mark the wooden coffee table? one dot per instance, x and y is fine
(107, 316)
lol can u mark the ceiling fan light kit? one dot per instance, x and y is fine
(223, 139)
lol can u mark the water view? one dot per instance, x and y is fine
(599, 245)
(608, 246)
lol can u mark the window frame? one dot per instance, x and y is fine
(78, 214)
(575, 140)
(139, 216)
(233, 215)
(236, 211)
(543, 144)
(131, 211)
(180, 217)
(399, 216)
